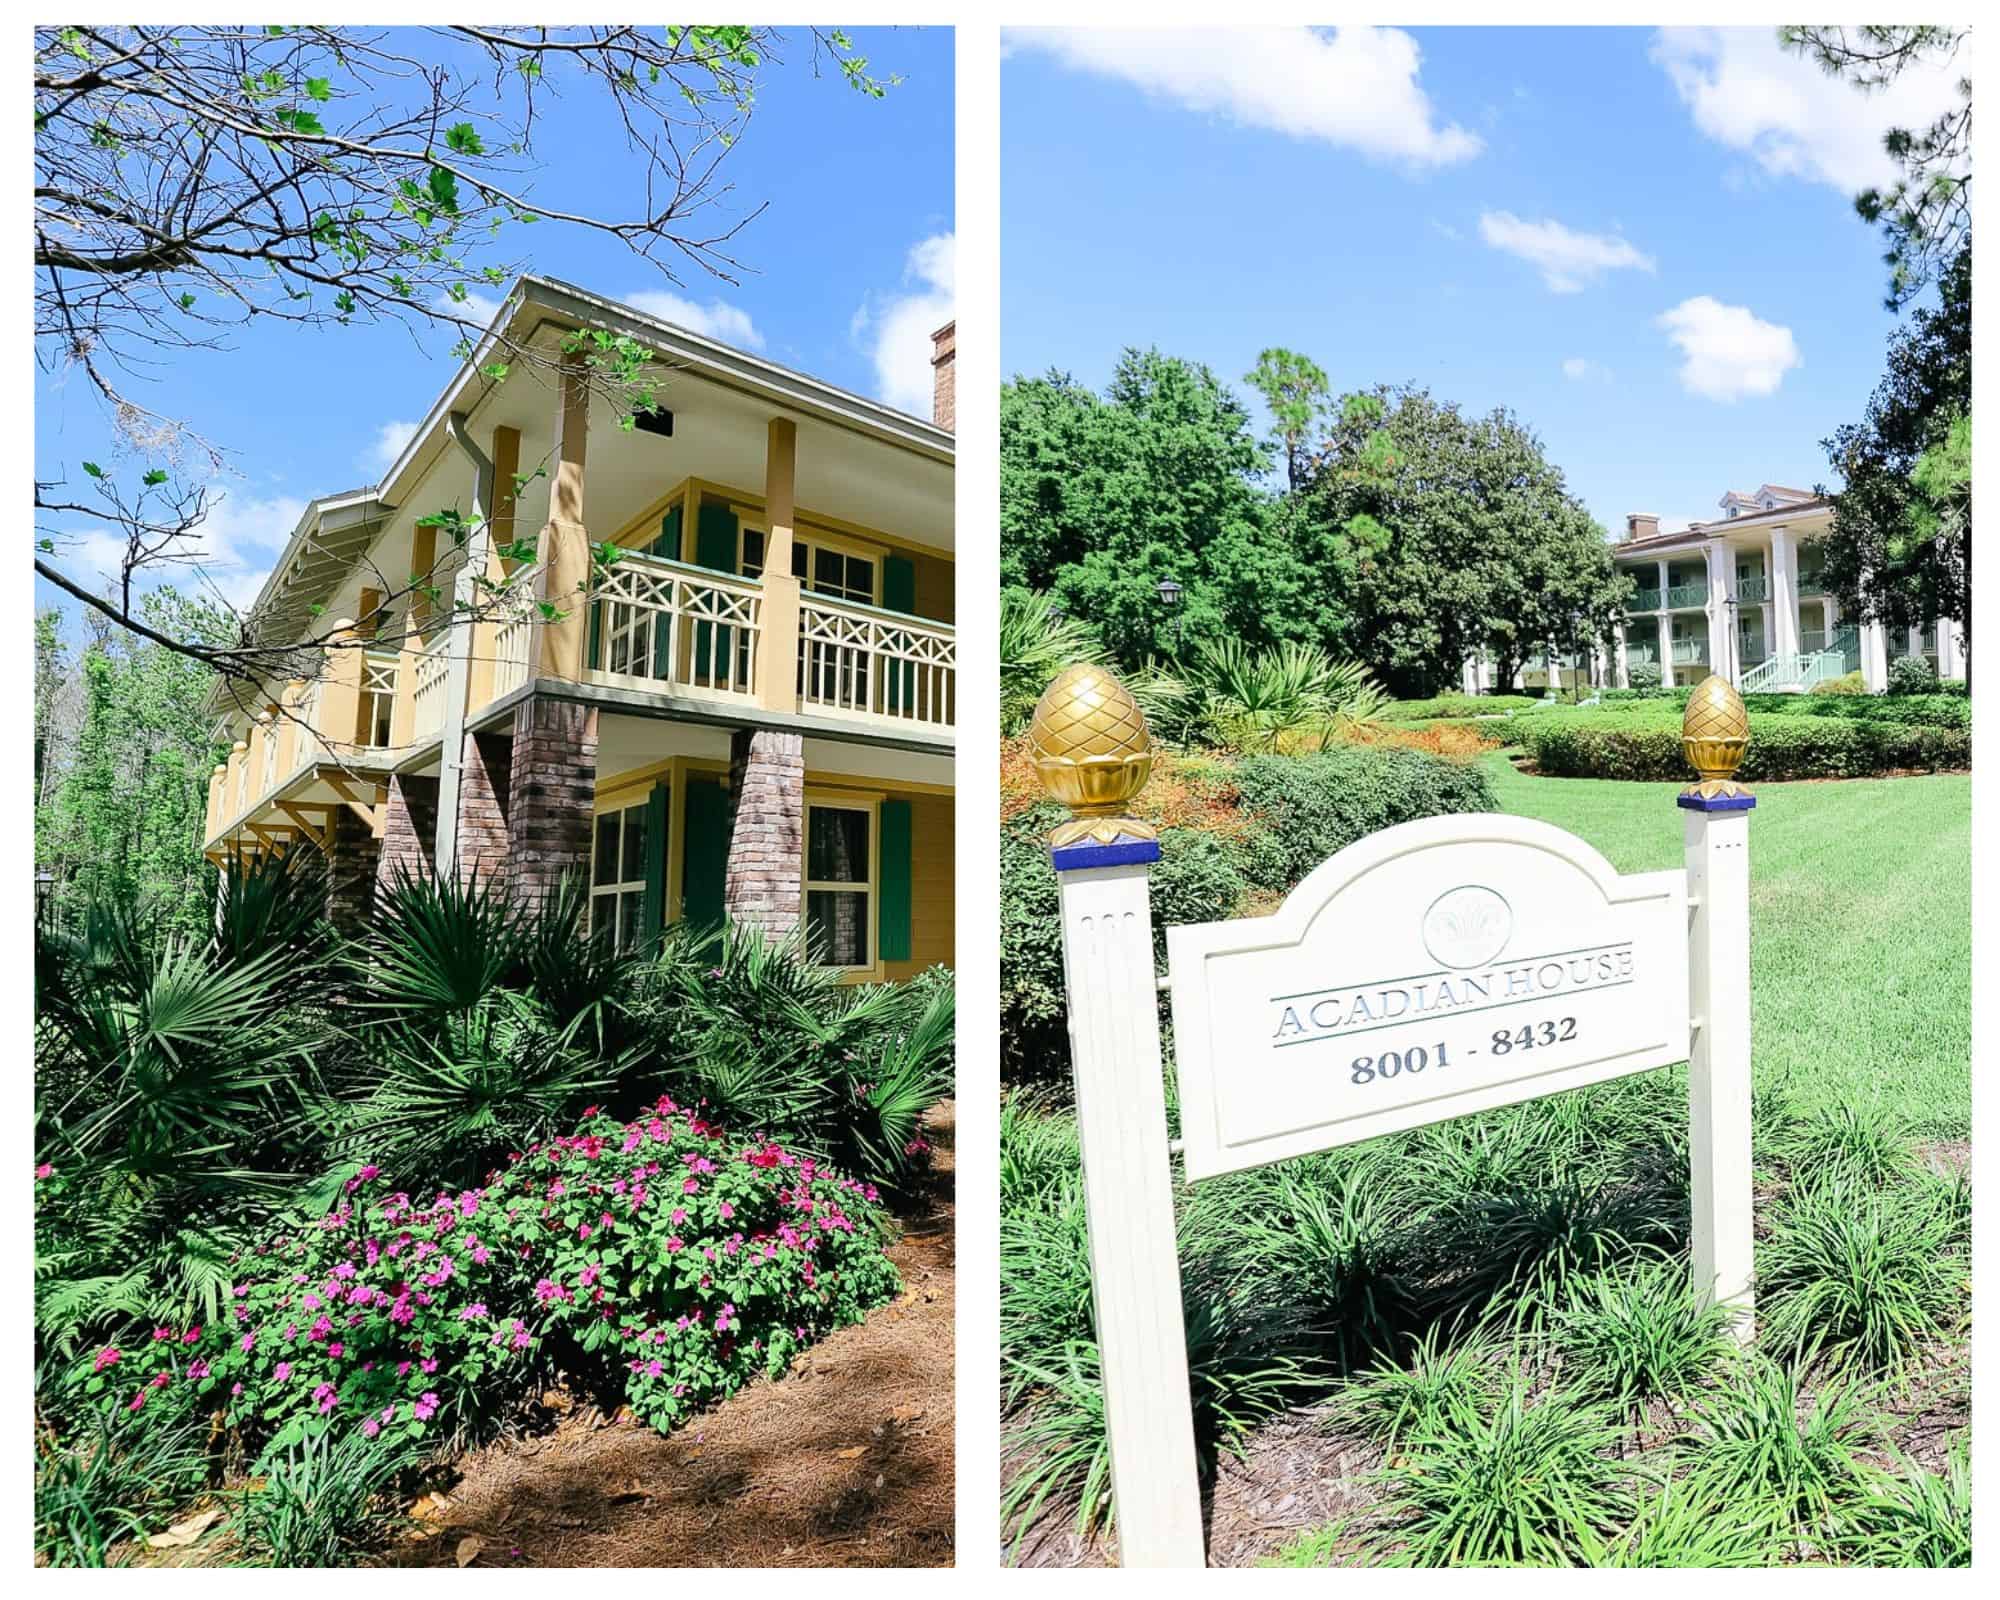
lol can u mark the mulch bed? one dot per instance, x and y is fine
(844, 1462)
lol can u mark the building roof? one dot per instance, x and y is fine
(1694, 533)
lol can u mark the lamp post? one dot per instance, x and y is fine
(1170, 597)
(1730, 642)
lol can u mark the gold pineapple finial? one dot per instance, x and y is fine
(1093, 753)
(1715, 734)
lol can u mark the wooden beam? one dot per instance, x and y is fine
(368, 813)
(277, 840)
(296, 812)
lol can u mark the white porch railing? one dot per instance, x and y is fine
(378, 698)
(858, 660)
(427, 694)
(1792, 673)
(1689, 651)
(514, 633)
(655, 622)
(307, 746)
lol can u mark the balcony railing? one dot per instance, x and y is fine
(1689, 651)
(428, 690)
(1687, 594)
(1645, 600)
(656, 623)
(858, 660)
(1812, 641)
(1812, 583)
(514, 635)
(1635, 654)
(1753, 588)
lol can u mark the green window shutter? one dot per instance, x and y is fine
(596, 656)
(714, 548)
(715, 537)
(899, 593)
(653, 908)
(669, 542)
(704, 851)
(893, 919)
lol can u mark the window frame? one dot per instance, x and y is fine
(811, 541)
(870, 891)
(618, 888)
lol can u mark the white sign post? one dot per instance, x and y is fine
(1437, 968)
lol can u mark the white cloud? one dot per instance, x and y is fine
(389, 441)
(475, 307)
(230, 553)
(1727, 352)
(1568, 261)
(1352, 87)
(1581, 368)
(896, 330)
(1779, 109)
(717, 320)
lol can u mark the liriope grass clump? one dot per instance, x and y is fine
(1639, 1333)
(1863, 1275)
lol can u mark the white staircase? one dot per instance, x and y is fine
(1792, 674)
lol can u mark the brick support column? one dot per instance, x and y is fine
(767, 793)
(353, 862)
(409, 829)
(484, 779)
(551, 797)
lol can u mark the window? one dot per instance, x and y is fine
(378, 699)
(820, 568)
(618, 876)
(839, 884)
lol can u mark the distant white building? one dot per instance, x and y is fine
(1740, 595)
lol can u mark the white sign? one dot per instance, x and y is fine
(1433, 969)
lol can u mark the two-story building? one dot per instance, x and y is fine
(1740, 595)
(750, 712)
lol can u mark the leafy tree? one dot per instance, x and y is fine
(1438, 534)
(126, 750)
(1926, 214)
(1295, 389)
(1900, 548)
(1102, 499)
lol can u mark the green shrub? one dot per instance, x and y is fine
(1644, 676)
(1626, 745)
(1309, 807)
(1456, 705)
(1957, 686)
(1913, 710)
(1196, 879)
(1913, 675)
(320, 1502)
(656, 1257)
(1850, 683)
(1913, 1518)
(1638, 1333)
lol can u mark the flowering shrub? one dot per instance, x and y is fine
(657, 1255)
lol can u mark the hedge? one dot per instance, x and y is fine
(1912, 710)
(1292, 813)
(1781, 747)
(1456, 705)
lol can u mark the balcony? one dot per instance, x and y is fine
(1749, 589)
(1690, 652)
(667, 627)
(1681, 596)
(1638, 654)
(1644, 600)
(1814, 640)
(1812, 583)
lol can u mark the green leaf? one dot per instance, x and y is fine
(464, 138)
(320, 89)
(93, 469)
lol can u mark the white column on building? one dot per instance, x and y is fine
(1623, 664)
(1721, 615)
(1784, 562)
(1874, 657)
(1468, 676)
(1948, 663)
(1666, 630)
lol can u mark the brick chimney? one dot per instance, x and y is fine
(1639, 525)
(944, 384)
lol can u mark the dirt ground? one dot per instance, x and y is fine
(845, 1462)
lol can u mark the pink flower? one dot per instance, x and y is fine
(107, 1357)
(282, 1371)
(371, 1427)
(45, 1170)
(192, 1334)
(426, 1408)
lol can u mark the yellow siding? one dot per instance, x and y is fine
(931, 875)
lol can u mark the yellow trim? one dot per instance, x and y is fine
(848, 800)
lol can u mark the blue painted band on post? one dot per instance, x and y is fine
(1122, 853)
(1722, 802)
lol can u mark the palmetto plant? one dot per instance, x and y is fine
(1254, 699)
(170, 1080)
(1035, 645)
(475, 1030)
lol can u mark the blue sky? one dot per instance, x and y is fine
(853, 266)
(1642, 242)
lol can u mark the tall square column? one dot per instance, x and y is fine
(763, 877)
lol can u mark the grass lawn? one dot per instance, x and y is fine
(1860, 926)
